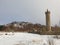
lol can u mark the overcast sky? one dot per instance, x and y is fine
(29, 10)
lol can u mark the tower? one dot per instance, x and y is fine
(48, 24)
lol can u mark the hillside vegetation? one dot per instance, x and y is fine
(29, 27)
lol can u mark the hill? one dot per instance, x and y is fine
(28, 27)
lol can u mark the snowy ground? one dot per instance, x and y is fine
(27, 39)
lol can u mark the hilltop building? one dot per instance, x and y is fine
(48, 24)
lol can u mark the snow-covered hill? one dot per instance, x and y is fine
(27, 39)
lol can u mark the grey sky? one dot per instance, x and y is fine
(29, 10)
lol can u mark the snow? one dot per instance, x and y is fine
(20, 38)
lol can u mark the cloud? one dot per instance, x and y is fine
(29, 10)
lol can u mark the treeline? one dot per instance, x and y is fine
(31, 28)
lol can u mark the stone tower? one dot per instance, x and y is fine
(48, 24)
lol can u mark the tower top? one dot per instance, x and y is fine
(47, 12)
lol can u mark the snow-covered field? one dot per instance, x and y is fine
(17, 38)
